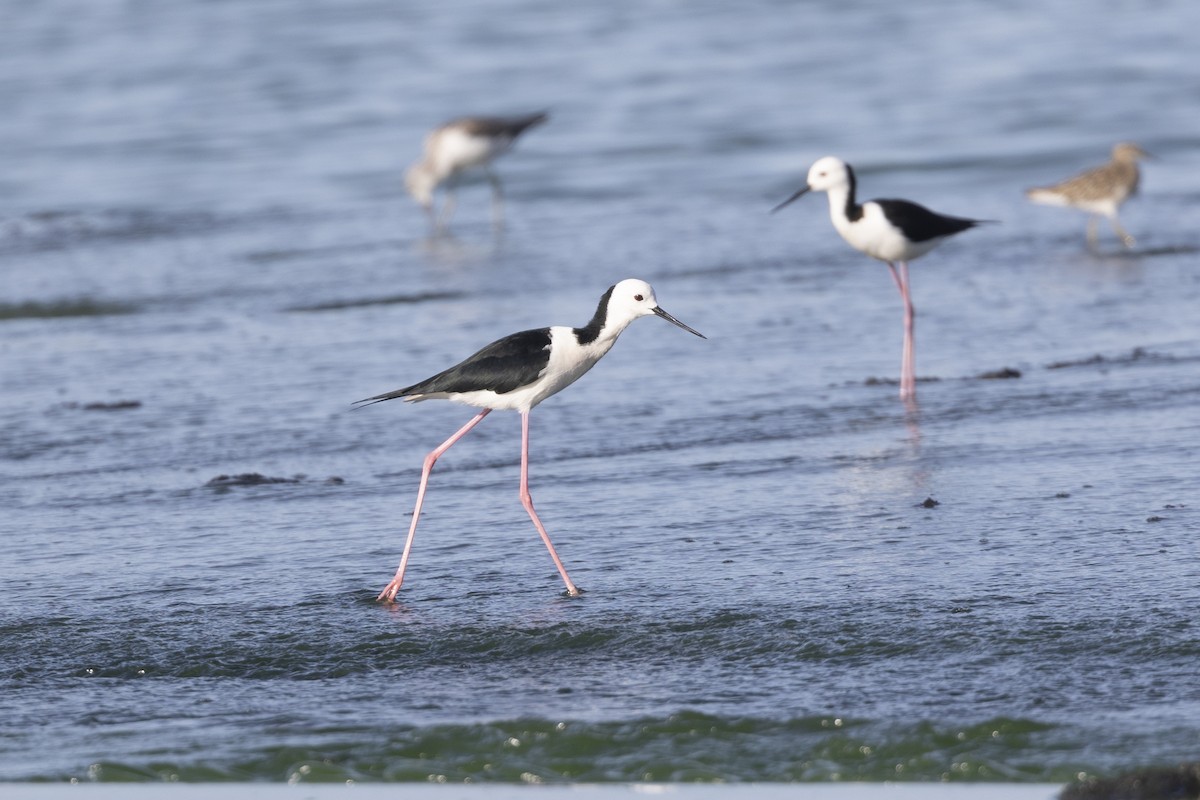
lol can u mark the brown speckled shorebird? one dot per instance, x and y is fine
(1099, 191)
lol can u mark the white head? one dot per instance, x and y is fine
(632, 298)
(828, 173)
(420, 181)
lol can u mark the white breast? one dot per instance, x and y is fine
(874, 235)
(569, 361)
(457, 150)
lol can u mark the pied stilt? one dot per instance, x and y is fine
(893, 231)
(518, 372)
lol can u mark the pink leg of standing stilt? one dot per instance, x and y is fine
(910, 350)
(908, 367)
(389, 591)
(527, 501)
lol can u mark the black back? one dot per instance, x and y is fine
(503, 366)
(916, 222)
(512, 127)
(919, 224)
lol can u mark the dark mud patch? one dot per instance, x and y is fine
(896, 381)
(64, 308)
(396, 299)
(1137, 354)
(116, 405)
(1002, 374)
(1141, 252)
(223, 483)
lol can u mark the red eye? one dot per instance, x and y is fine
(638, 297)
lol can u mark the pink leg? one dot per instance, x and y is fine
(908, 376)
(527, 501)
(389, 591)
(910, 354)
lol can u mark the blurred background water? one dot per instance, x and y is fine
(207, 255)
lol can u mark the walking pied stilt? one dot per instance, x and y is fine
(518, 372)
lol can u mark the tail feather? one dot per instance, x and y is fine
(1045, 196)
(521, 124)
(511, 127)
(379, 398)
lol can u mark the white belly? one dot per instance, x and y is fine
(569, 361)
(874, 235)
(457, 150)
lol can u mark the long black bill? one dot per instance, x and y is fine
(794, 197)
(674, 321)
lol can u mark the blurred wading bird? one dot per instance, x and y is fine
(1099, 191)
(457, 146)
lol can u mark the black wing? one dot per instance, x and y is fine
(504, 365)
(919, 224)
(511, 127)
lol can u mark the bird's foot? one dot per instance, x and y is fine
(389, 592)
(573, 591)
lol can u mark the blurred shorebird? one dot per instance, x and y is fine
(1100, 191)
(893, 231)
(459, 145)
(518, 372)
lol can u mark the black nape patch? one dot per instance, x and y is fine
(588, 333)
(854, 211)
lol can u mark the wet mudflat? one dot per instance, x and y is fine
(789, 574)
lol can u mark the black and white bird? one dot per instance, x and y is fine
(893, 231)
(518, 372)
(459, 145)
(1100, 191)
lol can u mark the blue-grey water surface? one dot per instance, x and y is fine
(207, 255)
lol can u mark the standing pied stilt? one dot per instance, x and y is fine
(1099, 191)
(893, 231)
(518, 372)
(459, 145)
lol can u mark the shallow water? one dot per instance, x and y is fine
(789, 575)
